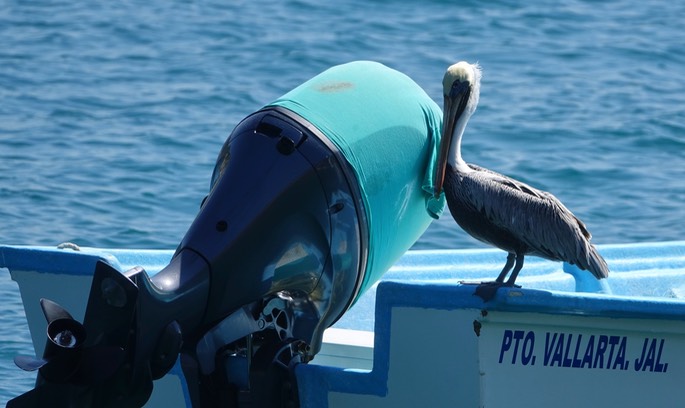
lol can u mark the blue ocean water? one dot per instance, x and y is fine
(112, 113)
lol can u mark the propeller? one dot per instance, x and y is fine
(63, 347)
(83, 364)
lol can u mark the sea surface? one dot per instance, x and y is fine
(112, 113)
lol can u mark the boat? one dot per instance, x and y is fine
(420, 336)
(295, 286)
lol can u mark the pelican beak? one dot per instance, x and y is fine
(454, 104)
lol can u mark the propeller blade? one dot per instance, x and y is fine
(29, 363)
(53, 311)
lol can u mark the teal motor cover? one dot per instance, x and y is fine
(388, 129)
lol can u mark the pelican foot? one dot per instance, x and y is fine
(487, 290)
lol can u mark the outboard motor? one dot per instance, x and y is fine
(312, 199)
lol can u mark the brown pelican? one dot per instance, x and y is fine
(499, 210)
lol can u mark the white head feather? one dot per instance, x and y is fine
(464, 72)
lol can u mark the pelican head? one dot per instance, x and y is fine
(461, 91)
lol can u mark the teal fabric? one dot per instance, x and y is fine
(388, 129)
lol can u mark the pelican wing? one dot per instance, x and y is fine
(535, 217)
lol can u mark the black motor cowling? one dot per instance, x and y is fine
(275, 256)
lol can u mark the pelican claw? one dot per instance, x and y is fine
(487, 290)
